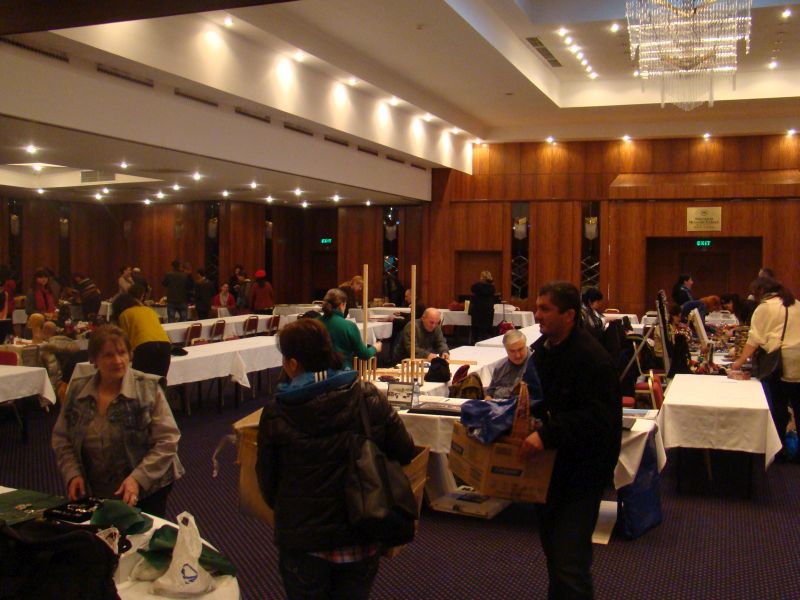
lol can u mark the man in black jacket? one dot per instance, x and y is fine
(582, 419)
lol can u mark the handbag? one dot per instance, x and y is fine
(378, 495)
(438, 371)
(768, 363)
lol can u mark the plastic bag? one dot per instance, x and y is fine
(185, 577)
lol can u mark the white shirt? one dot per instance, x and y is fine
(766, 327)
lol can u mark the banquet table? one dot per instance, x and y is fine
(378, 311)
(294, 309)
(519, 318)
(21, 382)
(531, 333)
(226, 586)
(719, 318)
(233, 326)
(105, 311)
(713, 412)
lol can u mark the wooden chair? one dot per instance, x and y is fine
(412, 370)
(367, 369)
(192, 333)
(217, 331)
(250, 327)
(199, 341)
(272, 325)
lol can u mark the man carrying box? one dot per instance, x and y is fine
(582, 419)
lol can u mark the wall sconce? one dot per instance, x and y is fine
(521, 229)
(127, 226)
(391, 232)
(213, 227)
(63, 228)
(14, 225)
(268, 229)
(590, 228)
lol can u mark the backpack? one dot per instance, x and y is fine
(470, 387)
(380, 501)
(46, 559)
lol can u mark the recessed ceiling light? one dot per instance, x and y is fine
(269, 199)
(253, 185)
(394, 100)
(123, 165)
(105, 190)
(706, 136)
(224, 193)
(567, 40)
(477, 141)
(791, 132)
(98, 196)
(593, 75)
(228, 22)
(787, 13)
(31, 149)
(335, 197)
(196, 176)
(588, 68)
(562, 32)
(299, 56)
(147, 201)
(305, 204)
(550, 139)
(626, 138)
(579, 55)
(773, 64)
(176, 187)
(455, 130)
(614, 27)
(40, 191)
(368, 202)
(37, 167)
(428, 117)
(160, 195)
(584, 62)
(574, 48)
(297, 191)
(352, 81)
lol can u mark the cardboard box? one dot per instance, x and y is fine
(464, 501)
(495, 470)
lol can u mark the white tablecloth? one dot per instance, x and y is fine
(632, 450)
(519, 318)
(233, 326)
(105, 311)
(378, 311)
(234, 358)
(20, 382)
(718, 318)
(294, 309)
(706, 411)
(532, 333)
(611, 316)
(487, 357)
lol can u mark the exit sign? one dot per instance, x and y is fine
(325, 241)
(703, 243)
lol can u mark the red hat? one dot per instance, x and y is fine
(261, 273)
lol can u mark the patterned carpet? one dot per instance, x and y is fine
(713, 543)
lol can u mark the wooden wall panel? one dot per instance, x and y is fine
(410, 248)
(4, 233)
(287, 250)
(555, 243)
(242, 237)
(98, 224)
(361, 241)
(39, 235)
(476, 226)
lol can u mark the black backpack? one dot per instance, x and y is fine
(42, 559)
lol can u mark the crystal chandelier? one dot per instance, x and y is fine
(687, 44)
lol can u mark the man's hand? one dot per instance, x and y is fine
(531, 446)
(76, 488)
(129, 490)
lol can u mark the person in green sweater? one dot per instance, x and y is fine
(344, 333)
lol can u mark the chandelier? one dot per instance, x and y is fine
(687, 44)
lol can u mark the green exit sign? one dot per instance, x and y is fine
(325, 241)
(703, 243)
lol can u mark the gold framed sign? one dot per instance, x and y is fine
(705, 218)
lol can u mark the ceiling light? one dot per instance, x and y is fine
(352, 81)
(253, 185)
(305, 204)
(196, 176)
(773, 64)
(791, 132)
(477, 141)
(297, 191)
(706, 136)
(269, 199)
(574, 48)
(428, 117)
(228, 22)
(579, 55)
(614, 27)
(394, 100)
(98, 196)
(550, 139)
(176, 187)
(567, 40)
(455, 130)
(105, 190)
(626, 138)
(37, 167)
(40, 191)
(787, 13)
(584, 62)
(147, 201)
(335, 197)
(562, 32)
(588, 68)
(368, 202)
(123, 165)
(31, 149)
(593, 75)
(160, 195)
(224, 193)
(299, 56)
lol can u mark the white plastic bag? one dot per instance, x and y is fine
(185, 577)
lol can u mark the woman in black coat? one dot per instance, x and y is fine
(481, 307)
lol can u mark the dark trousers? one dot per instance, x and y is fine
(203, 312)
(307, 577)
(781, 395)
(155, 503)
(177, 312)
(565, 530)
(152, 357)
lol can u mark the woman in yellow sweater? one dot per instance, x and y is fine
(150, 343)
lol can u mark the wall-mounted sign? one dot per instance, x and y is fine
(326, 241)
(703, 243)
(706, 218)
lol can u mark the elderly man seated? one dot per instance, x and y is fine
(429, 339)
(511, 370)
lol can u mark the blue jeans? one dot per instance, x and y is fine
(565, 530)
(177, 312)
(307, 577)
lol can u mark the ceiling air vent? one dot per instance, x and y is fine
(97, 176)
(420, 167)
(114, 72)
(537, 45)
(189, 96)
(297, 128)
(245, 113)
(396, 159)
(335, 140)
(367, 150)
(55, 54)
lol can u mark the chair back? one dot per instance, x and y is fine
(9, 358)
(250, 327)
(612, 310)
(412, 370)
(198, 341)
(194, 331)
(656, 390)
(367, 369)
(217, 331)
(272, 324)
(30, 356)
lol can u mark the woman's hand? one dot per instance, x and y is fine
(76, 488)
(129, 490)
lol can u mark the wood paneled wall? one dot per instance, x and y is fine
(98, 258)
(242, 237)
(39, 235)
(360, 242)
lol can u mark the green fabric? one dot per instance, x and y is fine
(346, 338)
(37, 500)
(159, 553)
(128, 519)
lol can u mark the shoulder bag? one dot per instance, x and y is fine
(769, 363)
(378, 495)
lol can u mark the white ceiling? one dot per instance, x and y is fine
(464, 61)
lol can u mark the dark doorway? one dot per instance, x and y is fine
(717, 265)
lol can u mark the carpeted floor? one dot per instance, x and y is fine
(714, 542)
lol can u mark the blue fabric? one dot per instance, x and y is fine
(639, 505)
(488, 418)
(305, 386)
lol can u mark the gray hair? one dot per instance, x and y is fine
(512, 337)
